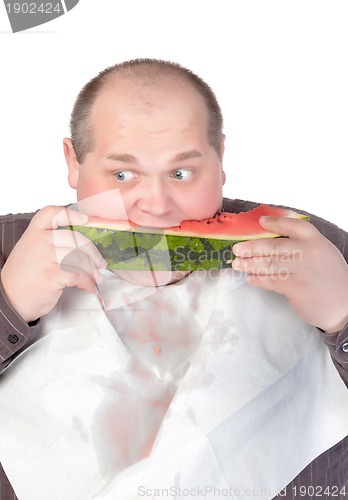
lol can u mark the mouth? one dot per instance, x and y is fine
(157, 225)
(126, 223)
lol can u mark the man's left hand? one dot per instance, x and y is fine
(305, 267)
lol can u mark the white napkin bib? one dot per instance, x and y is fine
(204, 388)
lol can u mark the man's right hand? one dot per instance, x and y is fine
(32, 276)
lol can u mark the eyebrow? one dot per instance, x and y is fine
(127, 158)
(122, 157)
(187, 155)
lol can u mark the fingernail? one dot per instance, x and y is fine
(235, 249)
(266, 218)
(236, 263)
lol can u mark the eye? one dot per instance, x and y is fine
(182, 173)
(124, 175)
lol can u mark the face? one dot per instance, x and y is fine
(151, 162)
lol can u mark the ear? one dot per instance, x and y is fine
(223, 175)
(71, 160)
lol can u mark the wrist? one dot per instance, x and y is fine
(14, 304)
(335, 326)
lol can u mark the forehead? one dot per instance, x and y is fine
(133, 104)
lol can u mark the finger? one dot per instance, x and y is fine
(281, 283)
(80, 280)
(287, 226)
(266, 247)
(77, 244)
(74, 261)
(51, 217)
(272, 265)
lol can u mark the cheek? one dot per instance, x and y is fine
(204, 202)
(91, 180)
(95, 200)
(88, 186)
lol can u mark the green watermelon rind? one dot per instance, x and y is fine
(131, 247)
(134, 250)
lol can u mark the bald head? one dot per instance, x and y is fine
(145, 76)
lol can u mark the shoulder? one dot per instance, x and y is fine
(12, 226)
(10, 223)
(236, 205)
(13, 218)
(10, 220)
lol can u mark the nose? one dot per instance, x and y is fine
(153, 198)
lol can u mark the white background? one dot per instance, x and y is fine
(279, 69)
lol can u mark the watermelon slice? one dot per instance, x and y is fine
(194, 245)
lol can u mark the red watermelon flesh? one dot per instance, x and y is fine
(223, 225)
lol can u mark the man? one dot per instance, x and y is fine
(151, 132)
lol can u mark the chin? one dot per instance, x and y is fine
(151, 278)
